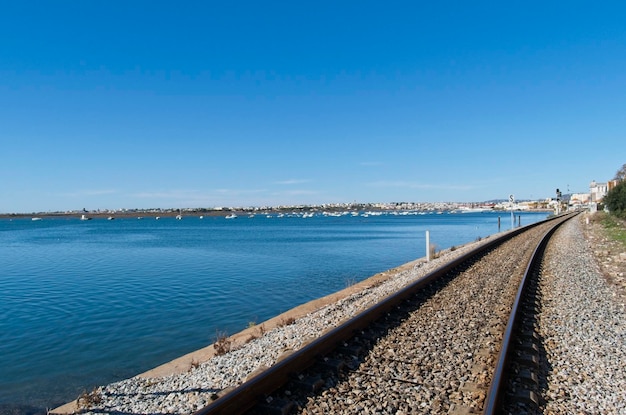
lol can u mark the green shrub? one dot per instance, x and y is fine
(615, 200)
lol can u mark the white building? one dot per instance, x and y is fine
(579, 198)
(598, 190)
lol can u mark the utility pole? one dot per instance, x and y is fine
(512, 200)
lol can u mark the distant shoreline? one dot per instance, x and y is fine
(105, 215)
(215, 213)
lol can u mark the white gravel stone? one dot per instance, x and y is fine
(584, 329)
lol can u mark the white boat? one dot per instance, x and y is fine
(110, 218)
(83, 217)
(179, 217)
(231, 216)
(465, 209)
(36, 219)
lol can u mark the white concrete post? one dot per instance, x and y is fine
(427, 246)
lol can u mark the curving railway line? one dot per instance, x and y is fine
(440, 345)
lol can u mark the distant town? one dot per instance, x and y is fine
(331, 208)
(558, 203)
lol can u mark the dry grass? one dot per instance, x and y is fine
(434, 251)
(222, 343)
(194, 364)
(250, 338)
(286, 321)
(89, 399)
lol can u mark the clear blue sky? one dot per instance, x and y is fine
(139, 104)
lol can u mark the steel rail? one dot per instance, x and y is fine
(250, 393)
(498, 381)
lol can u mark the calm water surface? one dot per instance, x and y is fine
(85, 303)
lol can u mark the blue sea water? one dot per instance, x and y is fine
(85, 303)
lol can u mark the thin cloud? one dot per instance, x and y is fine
(300, 192)
(166, 194)
(428, 186)
(291, 182)
(237, 192)
(195, 194)
(92, 192)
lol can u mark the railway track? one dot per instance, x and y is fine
(436, 346)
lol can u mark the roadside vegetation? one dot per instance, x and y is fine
(615, 200)
(614, 226)
(614, 222)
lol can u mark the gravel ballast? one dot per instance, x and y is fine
(583, 323)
